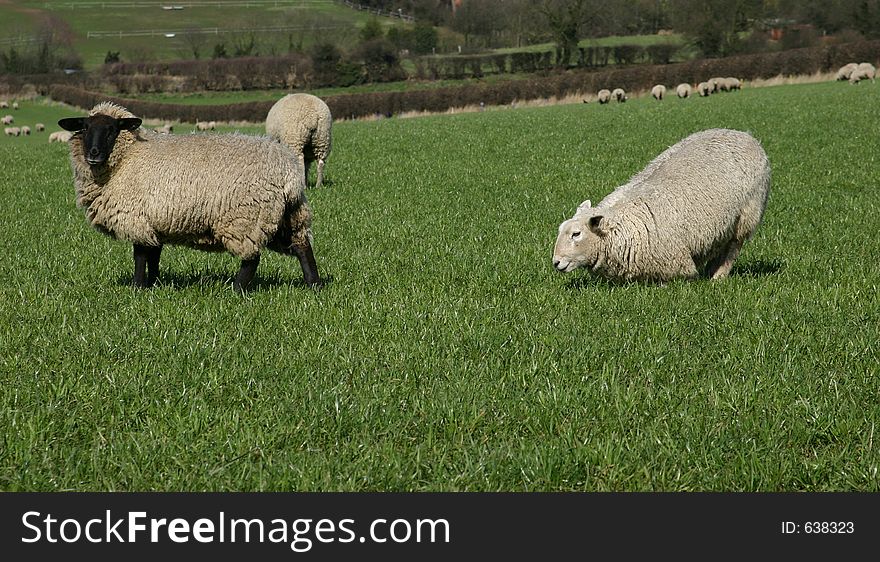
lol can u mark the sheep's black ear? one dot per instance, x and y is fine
(128, 123)
(73, 124)
(595, 226)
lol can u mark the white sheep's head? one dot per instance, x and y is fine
(580, 239)
(99, 134)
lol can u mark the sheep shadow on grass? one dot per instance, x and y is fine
(752, 268)
(206, 278)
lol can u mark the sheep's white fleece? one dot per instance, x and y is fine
(690, 209)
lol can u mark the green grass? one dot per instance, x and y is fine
(26, 15)
(445, 353)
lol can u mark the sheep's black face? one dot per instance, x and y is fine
(99, 133)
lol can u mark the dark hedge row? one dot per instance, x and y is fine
(765, 65)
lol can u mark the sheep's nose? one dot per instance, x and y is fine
(556, 264)
(93, 151)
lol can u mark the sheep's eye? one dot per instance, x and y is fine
(576, 234)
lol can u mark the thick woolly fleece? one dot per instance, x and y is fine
(303, 122)
(211, 192)
(689, 211)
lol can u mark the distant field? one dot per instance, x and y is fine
(445, 353)
(303, 21)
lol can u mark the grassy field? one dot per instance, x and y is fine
(445, 353)
(306, 21)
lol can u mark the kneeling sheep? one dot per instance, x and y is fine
(688, 212)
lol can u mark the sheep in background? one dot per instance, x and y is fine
(4, 104)
(845, 71)
(12, 131)
(40, 127)
(683, 90)
(7, 120)
(25, 130)
(15, 105)
(704, 89)
(303, 122)
(60, 136)
(733, 84)
(619, 95)
(863, 71)
(205, 125)
(658, 91)
(166, 129)
(604, 96)
(688, 212)
(229, 192)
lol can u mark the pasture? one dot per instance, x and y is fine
(444, 352)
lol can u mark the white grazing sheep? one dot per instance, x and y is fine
(619, 95)
(704, 89)
(205, 125)
(303, 122)
(733, 84)
(4, 104)
(12, 131)
(688, 212)
(15, 105)
(604, 96)
(721, 85)
(7, 120)
(25, 130)
(845, 71)
(60, 136)
(863, 71)
(683, 90)
(166, 129)
(40, 127)
(658, 92)
(211, 192)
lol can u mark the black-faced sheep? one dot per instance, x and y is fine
(688, 212)
(658, 92)
(227, 192)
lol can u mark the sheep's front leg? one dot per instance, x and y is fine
(246, 274)
(146, 258)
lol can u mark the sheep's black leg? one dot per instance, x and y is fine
(153, 254)
(140, 266)
(246, 274)
(307, 262)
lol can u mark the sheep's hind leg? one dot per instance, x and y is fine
(319, 181)
(720, 267)
(153, 254)
(306, 257)
(246, 274)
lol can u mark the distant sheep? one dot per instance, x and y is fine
(206, 125)
(229, 192)
(12, 131)
(658, 91)
(40, 127)
(4, 104)
(166, 129)
(683, 90)
(25, 131)
(687, 213)
(704, 89)
(604, 96)
(619, 95)
(864, 71)
(7, 120)
(845, 71)
(304, 123)
(733, 84)
(60, 136)
(15, 105)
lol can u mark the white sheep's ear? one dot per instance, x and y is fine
(583, 206)
(598, 225)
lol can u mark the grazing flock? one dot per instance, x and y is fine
(685, 216)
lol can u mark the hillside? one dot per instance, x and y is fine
(147, 30)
